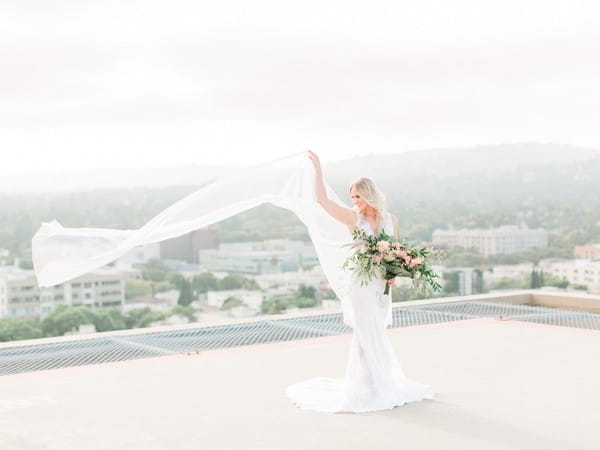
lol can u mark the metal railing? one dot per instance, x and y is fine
(144, 343)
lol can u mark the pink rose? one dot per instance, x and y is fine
(407, 259)
(377, 259)
(389, 257)
(383, 246)
(415, 262)
(402, 253)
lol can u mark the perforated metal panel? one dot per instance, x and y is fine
(150, 344)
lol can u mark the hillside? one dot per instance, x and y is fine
(553, 186)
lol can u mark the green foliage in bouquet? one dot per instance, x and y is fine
(383, 255)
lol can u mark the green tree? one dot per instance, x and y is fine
(232, 302)
(155, 270)
(303, 302)
(204, 282)
(307, 291)
(142, 317)
(405, 293)
(535, 280)
(551, 280)
(328, 294)
(109, 320)
(66, 318)
(187, 311)
(513, 283)
(451, 285)
(464, 258)
(273, 305)
(478, 281)
(275, 260)
(136, 288)
(237, 281)
(25, 264)
(185, 293)
(280, 303)
(13, 329)
(162, 286)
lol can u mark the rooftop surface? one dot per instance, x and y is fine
(499, 384)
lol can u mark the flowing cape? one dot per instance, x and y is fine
(61, 254)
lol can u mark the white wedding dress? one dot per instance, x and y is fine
(374, 379)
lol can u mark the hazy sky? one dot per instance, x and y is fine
(151, 83)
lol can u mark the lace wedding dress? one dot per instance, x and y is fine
(374, 379)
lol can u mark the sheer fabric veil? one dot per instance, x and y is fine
(60, 253)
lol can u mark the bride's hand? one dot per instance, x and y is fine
(315, 160)
(391, 281)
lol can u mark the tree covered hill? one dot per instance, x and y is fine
(553, 186)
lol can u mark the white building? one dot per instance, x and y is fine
(497, 273)
(466, 279)
(20, 295)
(577, 271)
(270, 256)
(495, 241)
(314, 277)
(4, 256)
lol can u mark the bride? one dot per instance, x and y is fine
(373, 379)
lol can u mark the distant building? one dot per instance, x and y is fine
(147, 301)
(140, 255)
(188, 270)
(287, 281)
(468, 280)
(20, 295)
(4, 256)
(129, 272)
(495, 241)
(578, 271)
(271, 256)
(591, 251)
(186, 247)
(498, 272)
(253, 262)
(160, 302)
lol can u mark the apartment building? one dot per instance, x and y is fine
(577, 271)
(20, 295)
(495, 241)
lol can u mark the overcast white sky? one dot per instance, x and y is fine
(157, 83)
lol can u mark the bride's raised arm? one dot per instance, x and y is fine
(338, 212)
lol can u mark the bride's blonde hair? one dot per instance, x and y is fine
(371, 194)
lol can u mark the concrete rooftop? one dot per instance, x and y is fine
(499, 385)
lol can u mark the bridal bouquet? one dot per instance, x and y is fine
(382, 254)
